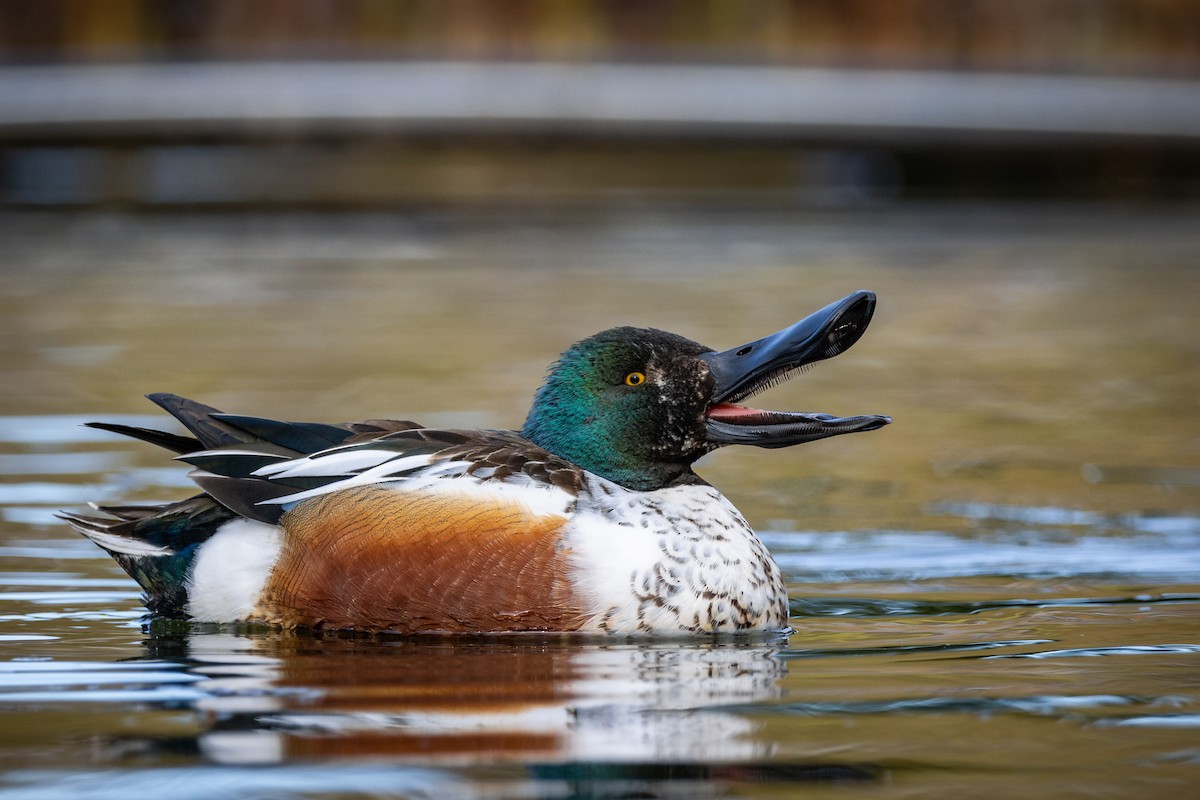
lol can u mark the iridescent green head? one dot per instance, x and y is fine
(638, 406)
(626, 404)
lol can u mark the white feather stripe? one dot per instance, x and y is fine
(540, 499)
(124, 544)
(339, 463)
(339, 448)
(270, 470)
(255, 453)
(384, 473)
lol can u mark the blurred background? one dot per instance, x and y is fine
(331, 208)
(353, 209)
(412, 103)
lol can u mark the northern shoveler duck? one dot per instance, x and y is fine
(589, 518)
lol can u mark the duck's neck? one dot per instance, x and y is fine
(579, 441)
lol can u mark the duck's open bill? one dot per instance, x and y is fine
(750, 368)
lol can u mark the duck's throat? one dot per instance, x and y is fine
(600, 456)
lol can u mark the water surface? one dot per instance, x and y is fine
(998, 595)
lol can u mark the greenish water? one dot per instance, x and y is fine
(995, 596)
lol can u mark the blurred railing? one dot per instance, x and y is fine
(363, 98)
(374, 102)
(1129, 37)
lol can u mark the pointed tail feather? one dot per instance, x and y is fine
(155, 545)
(200, 419)
(128, 513)
(169, 441)
(107, 534)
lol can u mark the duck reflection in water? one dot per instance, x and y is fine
(278, 698)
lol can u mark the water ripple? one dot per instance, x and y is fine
(906, 649)
(889, 606)
(1164, 721)
(209, 784)
(65, 428)
(1041, 705)
(95, 682)
(1089, 652)
(1173, 554)
(67, 598)
(61, 463)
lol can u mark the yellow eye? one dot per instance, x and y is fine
(635, 379)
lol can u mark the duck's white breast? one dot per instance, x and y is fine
(677, 560)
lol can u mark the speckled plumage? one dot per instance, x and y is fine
(699, 568)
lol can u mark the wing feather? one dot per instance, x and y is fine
(258, 467)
